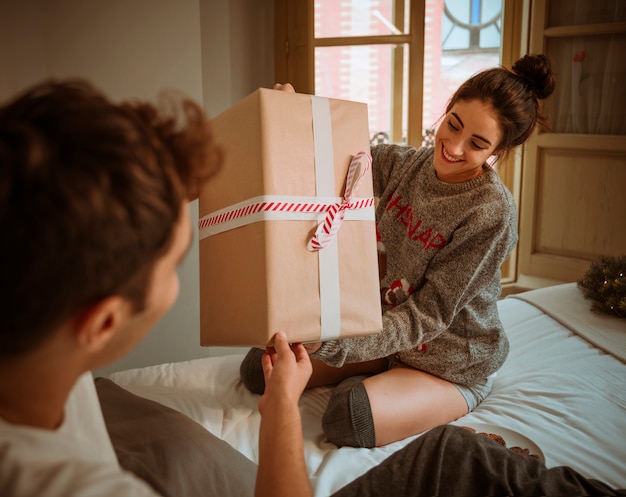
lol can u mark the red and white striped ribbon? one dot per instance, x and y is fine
(335, 212)
(298, 208)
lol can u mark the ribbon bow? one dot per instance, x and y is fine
(326, 231)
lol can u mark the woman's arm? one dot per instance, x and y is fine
(466, 267)
(282, 470)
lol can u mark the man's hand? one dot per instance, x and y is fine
(282, 471)
(287, 370)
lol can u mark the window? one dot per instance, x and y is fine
(361, 53)
(404, 58)
(390, 54)
(472, 25)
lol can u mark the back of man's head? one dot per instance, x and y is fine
(89, 194)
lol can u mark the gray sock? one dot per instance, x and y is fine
(251, 371)
(348, 418)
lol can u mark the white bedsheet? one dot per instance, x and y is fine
(555, 388)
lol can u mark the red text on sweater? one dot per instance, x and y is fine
(404, 213)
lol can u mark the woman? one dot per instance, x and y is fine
(445, 225)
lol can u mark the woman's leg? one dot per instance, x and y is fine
(323, 374)
(251, 371)
(406, 401)
(390, 406)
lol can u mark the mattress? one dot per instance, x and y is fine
(557, 389)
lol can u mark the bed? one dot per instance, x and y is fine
(562, 392)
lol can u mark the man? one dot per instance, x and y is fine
(94, 220)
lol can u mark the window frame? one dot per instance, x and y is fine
(294, 62)
(295, 45)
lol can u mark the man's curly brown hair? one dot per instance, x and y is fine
(90, 192)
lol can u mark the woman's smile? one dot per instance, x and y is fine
(447, 156)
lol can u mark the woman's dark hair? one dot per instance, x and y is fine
(514, 95)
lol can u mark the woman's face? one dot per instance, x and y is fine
(467, 137)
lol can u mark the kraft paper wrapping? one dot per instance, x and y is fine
(260, 278)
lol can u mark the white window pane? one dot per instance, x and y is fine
(470, 24)
(448, 57)
(377, 74)
(338, 18)
(364, 73)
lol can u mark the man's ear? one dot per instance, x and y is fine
(98, 323)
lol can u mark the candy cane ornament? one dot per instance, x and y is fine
(335, 213)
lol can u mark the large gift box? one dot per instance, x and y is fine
(287, 230)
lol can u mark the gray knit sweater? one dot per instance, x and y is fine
(440, 248)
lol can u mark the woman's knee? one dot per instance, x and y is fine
(348, 419)
(251, 371)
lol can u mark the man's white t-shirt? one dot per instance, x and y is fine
(75, 459)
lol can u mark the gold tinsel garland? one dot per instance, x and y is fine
(604, 284)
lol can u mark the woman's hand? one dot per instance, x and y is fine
(284, 87)
(313, 347)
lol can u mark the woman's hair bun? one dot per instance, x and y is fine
(537, 71)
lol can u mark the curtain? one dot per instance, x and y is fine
(590, 95)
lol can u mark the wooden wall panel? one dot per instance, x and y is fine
(574, 205)
(580, 204)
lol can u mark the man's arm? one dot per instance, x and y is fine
(282, 470)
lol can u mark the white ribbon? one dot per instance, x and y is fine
(330, 296)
